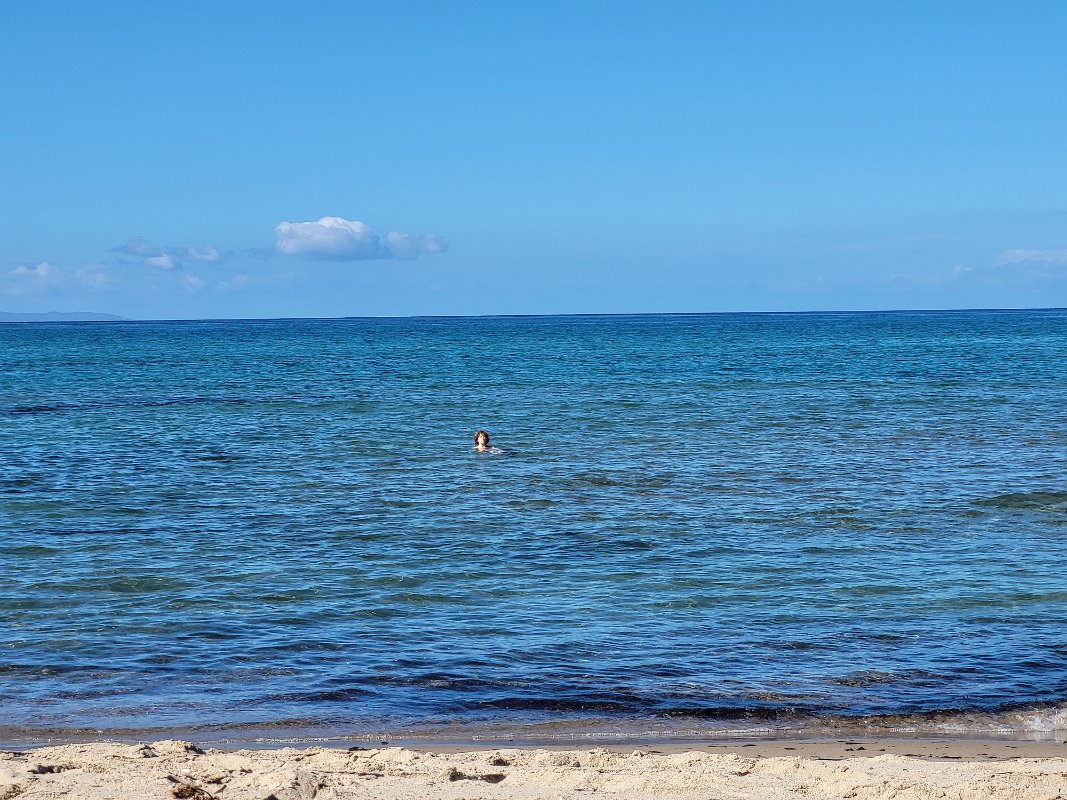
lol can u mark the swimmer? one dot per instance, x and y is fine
(481, 443)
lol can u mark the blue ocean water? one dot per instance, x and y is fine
(713, 522)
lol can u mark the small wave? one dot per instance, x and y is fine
(620, 479)
(555, 705)
(1028, 501)
(872, 677)
(1033, 722)
(573, 720)
(163, 402)
(96, 405)
(334, 696)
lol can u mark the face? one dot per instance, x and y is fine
(481, 439)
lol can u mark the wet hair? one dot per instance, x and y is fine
(478, 434)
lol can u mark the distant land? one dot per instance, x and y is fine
(59, 316)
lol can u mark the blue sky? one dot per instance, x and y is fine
(191, 160)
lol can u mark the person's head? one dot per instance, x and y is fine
(481, 439)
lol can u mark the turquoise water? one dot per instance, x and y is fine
(713, 522)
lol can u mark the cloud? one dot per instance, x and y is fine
(93, 277)
(42, 273)
(331, 238)
(37, 279)
(339, 239)
(207, 254)
(138, 246)
(168, 258)
(165, 261)
(46, 277)
(409, 246)
(1020, 256)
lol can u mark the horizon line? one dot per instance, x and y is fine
(119, 319)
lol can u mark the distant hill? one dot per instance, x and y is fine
(59, 316)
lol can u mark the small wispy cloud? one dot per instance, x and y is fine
(32, 279)
(46, 277)
(1021, 256)
(339, 239)
(140, 247)
(165, 261)
(207, 254)
(408, 246)
(168, 258)
(42, 272)
(93, 277)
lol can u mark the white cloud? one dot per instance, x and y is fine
(139, 246)
(165, 261)
(43, 274)
(168, 258)
(92, 277)
(208, 254)
(46, 277)
(192, 283)
(339, 239)
(1021, 256)
(331, 238)
(409, 246)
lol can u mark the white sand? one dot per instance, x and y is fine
(172, 769)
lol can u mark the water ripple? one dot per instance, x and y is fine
(715, 518)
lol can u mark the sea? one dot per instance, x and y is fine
(699, 526)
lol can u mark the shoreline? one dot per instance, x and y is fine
(1046, 739)
(823, 749)
(779, 743)
(972, 748)
(858, 768)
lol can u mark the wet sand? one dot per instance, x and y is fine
(852, 768)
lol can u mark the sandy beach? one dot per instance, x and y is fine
(773, 770)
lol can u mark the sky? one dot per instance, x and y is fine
(322, 159)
